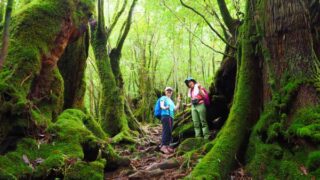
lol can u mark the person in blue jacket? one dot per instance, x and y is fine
(167, 114)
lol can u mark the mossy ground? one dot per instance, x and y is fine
(60, 151)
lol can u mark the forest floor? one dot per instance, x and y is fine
(147, 162)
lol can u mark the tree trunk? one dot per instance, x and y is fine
(31, 99)
(5, 34)
(278, 75)
(113, 117)
(72, 66)
(34, 83)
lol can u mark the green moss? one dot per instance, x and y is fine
(184, 131)
(74, 138)
(315, 173)
(113, 117)
(313, 162)
(95, 127)
(70, 128)
(266, 159)
(271, 161)
(63, 154)
(290, 170)
(190, 144)
(274, 131)
(33, 31)
(84, 170)
(220, 159)
(306, 124)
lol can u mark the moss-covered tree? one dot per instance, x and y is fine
(72, 66)
(276, 93)
(113, 118)
(37, 139)
(5, 33)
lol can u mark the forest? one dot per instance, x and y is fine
(159, 89)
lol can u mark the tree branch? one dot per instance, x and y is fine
(101, 16)
(127, 27)
(208, 23)
(116, 18)
(227, 19)
(201, 41)
(225, 29)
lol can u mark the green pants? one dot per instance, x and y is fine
(199, 119)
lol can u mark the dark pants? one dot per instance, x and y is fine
(166, 129)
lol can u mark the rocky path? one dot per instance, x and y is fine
(147, 162)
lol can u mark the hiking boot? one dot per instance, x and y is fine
(170, 149)
(164, 150)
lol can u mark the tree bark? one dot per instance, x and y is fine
(72, 66)
(277, 80)
(5, 34)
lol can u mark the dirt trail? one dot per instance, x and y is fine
(147, 162)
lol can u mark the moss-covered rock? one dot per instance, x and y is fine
(183, 131)
(190, 144)
(183, 126)
(64, 151)
(86, 170)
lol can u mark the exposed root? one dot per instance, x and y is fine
(127, 136)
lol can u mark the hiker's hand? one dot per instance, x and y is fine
(186, 105)
(179, 99)
(199, 86)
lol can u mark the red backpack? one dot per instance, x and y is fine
(206, 97)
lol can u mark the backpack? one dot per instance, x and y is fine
(157, 109)
(206, 97)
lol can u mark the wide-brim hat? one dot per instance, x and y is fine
(188, 80)
(168, 88)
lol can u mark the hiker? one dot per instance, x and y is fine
(167, 114)
(199, 97)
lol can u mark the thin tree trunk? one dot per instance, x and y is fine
(5, 34)
(190, 53)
